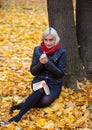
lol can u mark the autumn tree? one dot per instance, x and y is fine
(61, 17)
(84, 33)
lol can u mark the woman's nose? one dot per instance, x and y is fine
(48, 42)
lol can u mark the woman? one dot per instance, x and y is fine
(48, 64)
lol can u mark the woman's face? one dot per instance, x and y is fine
(49, 41)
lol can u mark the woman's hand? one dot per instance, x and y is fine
(43, 58)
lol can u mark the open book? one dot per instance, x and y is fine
(41, 84)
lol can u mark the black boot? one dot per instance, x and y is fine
(15, 118)
(16, 107)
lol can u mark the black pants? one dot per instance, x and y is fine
(37, 99)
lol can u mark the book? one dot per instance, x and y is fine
(41, 84)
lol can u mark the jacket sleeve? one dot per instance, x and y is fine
(60, 68)
(36, 66)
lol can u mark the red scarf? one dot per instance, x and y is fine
(49, 51)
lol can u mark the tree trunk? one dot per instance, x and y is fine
(0, 4)
(61, 17)
(84, 33)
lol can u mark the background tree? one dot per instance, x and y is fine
(0, 4)
(61, 17)
(84, 33)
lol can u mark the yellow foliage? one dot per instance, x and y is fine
(8, 53)
(40, 122)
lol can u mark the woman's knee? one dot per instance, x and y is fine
(45, 102)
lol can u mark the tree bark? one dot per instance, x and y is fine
(61, 17)
(0, 4)
(84, 33)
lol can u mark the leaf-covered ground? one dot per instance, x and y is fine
(20, 31)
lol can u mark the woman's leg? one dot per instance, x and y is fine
(30, 102)
(48, 99)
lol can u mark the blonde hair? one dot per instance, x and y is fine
(53, 32)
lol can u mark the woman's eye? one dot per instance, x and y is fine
(45, 39)
(50, 39)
